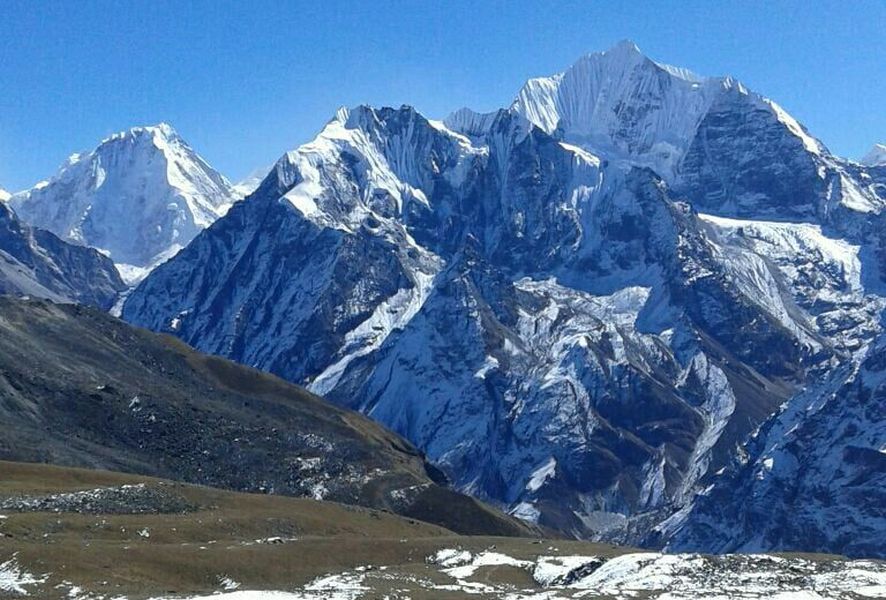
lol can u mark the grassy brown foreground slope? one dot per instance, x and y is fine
(81, 388)
(167, 538)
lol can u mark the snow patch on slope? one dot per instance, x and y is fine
(389, 316)
(15, 580)
(810, 282)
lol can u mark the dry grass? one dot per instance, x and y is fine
(189, 553)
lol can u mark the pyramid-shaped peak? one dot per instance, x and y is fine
(620, 103)
(626, 55)
(141, 194)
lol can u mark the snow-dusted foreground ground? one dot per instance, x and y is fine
(455, 573)
(640, 575)
(13, 579)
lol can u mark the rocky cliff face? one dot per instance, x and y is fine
(812, 478)
(579, 307)
(36, 263)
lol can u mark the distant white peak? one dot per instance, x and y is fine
(251, 182)
(876, 157)
(627, 52)
(621, 105)
(624, 46)
(140, 143)
(4, 195)
(139, 193)
(596, 83)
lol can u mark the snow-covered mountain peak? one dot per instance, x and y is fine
(399, 155)
(876, 157)
(624, 52)
(385, 120)
(621, 104)
(342, 114)
(138, 196)
(625, 46)
(394, 154)
(626, 107)
(160, 135)
(250, 183)
(165, 129)
(4, 195)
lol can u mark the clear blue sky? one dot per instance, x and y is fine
(246, 81)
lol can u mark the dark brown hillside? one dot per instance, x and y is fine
(81, 388)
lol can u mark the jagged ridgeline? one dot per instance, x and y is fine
(581, 307)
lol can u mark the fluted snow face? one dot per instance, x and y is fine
(469, 122)
(140, 196)
(728, 150)
(621, 104)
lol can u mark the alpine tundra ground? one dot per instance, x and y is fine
(71, 533)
